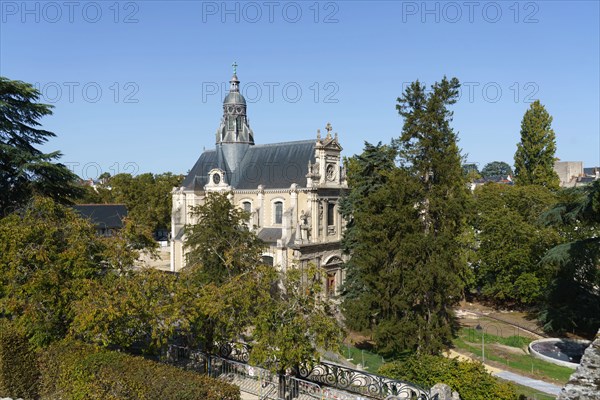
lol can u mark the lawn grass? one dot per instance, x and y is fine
(372, 361)
(532, 393)
(470, 340)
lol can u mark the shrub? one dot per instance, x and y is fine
(18, 368)
(468, 378)
(74, 370)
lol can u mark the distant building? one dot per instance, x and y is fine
(501, 179)
(291, 190)
(572, 173)
(107, 218)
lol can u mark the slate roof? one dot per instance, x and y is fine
(103, 215)
(269, 235)
(274, 166)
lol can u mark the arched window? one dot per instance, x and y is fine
(247, 206)
(278, 206)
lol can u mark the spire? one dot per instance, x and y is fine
(234, 83)
(234, 127)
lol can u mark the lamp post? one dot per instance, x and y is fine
(480, 329)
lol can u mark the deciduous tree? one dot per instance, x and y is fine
(228, 293)
(132, 308)
(496, 168)
(511, 242)
(48, 257)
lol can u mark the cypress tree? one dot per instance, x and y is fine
(534, 159)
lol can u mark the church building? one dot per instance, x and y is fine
(291, 189)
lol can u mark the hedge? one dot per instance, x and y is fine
(468, 378)
(72, 370)
(18, 366)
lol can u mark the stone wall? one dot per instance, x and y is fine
(584, 383)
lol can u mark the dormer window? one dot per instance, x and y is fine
(216, 178)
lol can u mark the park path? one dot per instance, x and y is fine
(512, 377)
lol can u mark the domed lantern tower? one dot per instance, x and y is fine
(234, 134)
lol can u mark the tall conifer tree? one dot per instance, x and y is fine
(408, 265)
(24, 169)
(534, 159)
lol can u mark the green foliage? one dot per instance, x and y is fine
(48, 257)
(19, 373)
(224, 281)
(511, 242)
(132, 308)
(534, 158)
(407, 230)
(471, 172)
(367, 173)
(297, 322)
(227, 293)
(147, 197)
(220, 245)
(76, 371)
(496, 168)
(469, 379)
(572, 301)
(24, 170)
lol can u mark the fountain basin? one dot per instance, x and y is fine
(565, 352)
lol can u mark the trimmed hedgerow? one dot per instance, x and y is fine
(468, 378)
(18, 366)
(72, 370)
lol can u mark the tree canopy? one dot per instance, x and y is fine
(147, 196)
(572, 299)
(228, 293)
(49, 256)
(511, 242)
(496, 168)
(408, 263)
(534, 158)
(26, 171)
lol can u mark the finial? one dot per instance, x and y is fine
(318, 134)
(336, 136)
(328, 128)
(234, 65)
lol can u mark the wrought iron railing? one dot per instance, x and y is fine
(361, 382)
(328, 378)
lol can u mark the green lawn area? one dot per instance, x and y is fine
(372, 361)
(532, 393)
(469, 340)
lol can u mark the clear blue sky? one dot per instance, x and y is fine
(162, 69)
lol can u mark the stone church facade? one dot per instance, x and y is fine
(291, 189)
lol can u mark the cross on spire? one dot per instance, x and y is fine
(234, 65)
(328, 128)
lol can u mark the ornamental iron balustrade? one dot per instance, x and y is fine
(235, 351)
(318, 381)
(356, 381)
